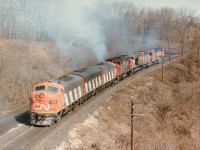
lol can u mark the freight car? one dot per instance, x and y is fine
(51, 100)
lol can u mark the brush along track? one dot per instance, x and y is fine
(16, 133)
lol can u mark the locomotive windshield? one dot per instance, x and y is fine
(52, 89)
(49, 89)
(40, 88)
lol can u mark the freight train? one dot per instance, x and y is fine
(51, 100)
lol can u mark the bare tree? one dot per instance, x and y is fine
(167, 26)
(184, 21)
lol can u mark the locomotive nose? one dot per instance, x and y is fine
(40, 102)
(44, 97)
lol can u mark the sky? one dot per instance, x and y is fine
(191, 4)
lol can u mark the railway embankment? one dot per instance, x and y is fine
(169, 112)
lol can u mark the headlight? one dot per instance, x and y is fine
(53, 102)
(41, 95)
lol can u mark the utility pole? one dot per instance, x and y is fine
(132, 128)
(168, 41)
(162, 69)
(132, 115)
(162, 57)
(132, 125)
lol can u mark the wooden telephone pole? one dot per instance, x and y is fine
(132, 115)
(132, 128)
(132, 125)
(162, 69)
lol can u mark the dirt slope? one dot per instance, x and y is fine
(170, 114)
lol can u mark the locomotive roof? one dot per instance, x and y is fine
(86, 72)
(67, 80)
(135, 55)
(122, 57)
(104, 65)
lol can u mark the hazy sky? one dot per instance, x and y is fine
(191, 4)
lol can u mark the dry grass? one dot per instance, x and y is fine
(24, 64)
(171, 114)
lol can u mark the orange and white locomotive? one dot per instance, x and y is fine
(51, 100)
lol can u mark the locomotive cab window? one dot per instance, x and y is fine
(40, 88)
(117, 62)
(52, 89)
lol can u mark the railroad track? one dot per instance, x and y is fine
(16, 133)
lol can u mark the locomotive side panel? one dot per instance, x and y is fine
(125, 63)
(157, 55)
(73, 85)
(122, 62)
(108, 71)
(92, 78)
(153, 55)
